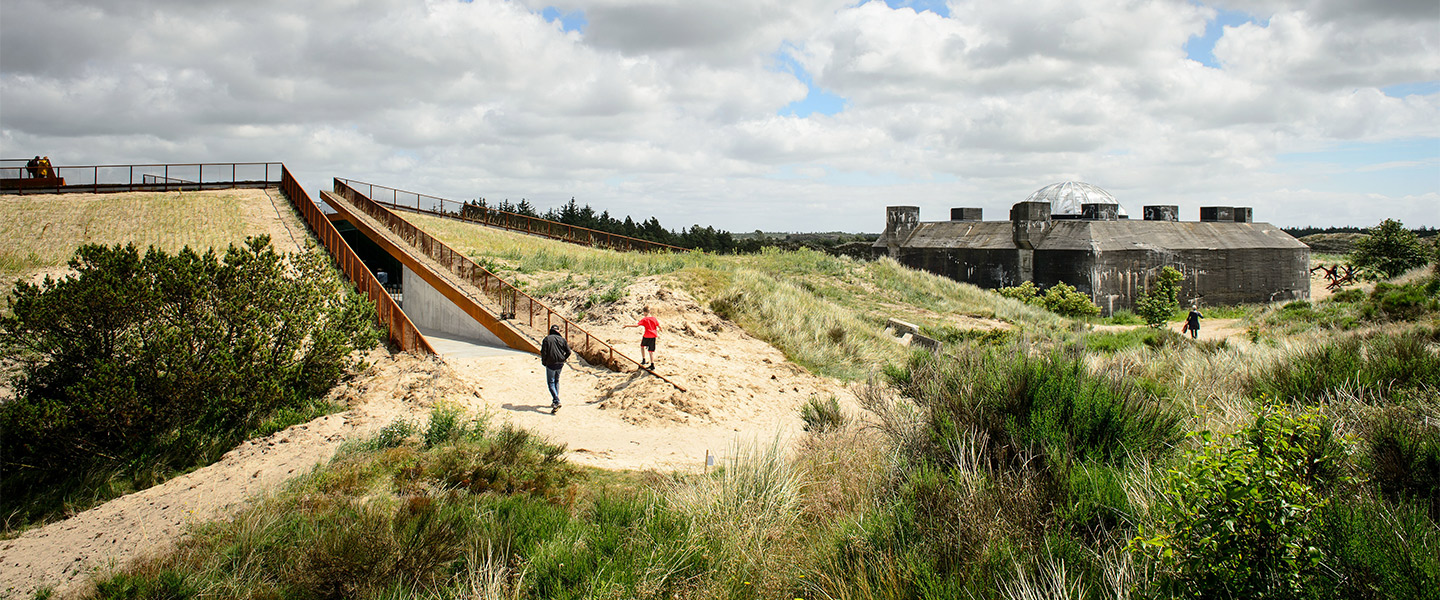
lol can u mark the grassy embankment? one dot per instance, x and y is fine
(42, 231)
(825, 313)
(1020, 466)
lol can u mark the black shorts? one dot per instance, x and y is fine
(647, 343)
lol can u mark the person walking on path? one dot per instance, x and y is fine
(647, 339)
(553, 354)
(1192, 323)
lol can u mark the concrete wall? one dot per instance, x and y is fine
(1213, 277)
(1112, 261)
(984, 268)
(429, 309)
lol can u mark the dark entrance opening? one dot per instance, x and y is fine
(376, 259)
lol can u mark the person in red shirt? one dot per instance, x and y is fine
(647, 339)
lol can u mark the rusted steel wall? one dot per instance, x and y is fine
(516, 306)
(435, 205)
(398, 326)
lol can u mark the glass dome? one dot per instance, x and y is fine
(1066, 197)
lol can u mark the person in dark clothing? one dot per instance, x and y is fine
(33, 167)
(553, 354)
(1192, 323)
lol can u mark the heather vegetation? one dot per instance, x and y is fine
(1036, 458)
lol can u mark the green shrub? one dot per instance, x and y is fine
(392, 435)
(447, 424)
(1244, 515)
(132, 367)
(1061, 299)
(1161, 301)
(1408, 301)
(1026, 292)
(1403, 456)
(1350, 295)
(1064, 300)
(823, 416)
(1023, 405)
(1389, 250)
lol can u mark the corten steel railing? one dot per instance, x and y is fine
(515, 305)
(398, 326)
(15, 179)
(484, 215)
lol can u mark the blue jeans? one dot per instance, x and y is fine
(552, 378)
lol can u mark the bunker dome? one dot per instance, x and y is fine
(1077, 233)
(1067, 197)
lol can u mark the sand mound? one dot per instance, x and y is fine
(727, 373)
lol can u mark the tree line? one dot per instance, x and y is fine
(696, 237)
(1299, 232)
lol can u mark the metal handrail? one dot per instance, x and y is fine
(513, 304)
(485, 215)
(398, 326)
(123, 178)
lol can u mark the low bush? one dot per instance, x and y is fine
(135, 367)
(1062, 299)
(1245, 510)
(1050, 404)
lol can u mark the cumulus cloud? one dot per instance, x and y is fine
(675, 108)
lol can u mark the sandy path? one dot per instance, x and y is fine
(739, 389)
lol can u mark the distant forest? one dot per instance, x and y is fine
(696, 237)
(1300, 232)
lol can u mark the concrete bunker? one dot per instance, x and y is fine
(1077, 233)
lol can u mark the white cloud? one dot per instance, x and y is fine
(671, 108)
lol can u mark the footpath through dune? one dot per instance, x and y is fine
(740, 389)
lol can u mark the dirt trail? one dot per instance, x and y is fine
(740, 388)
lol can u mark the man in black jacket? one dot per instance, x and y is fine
(553, 354)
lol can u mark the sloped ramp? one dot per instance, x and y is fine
(500, 302)
(458, 291)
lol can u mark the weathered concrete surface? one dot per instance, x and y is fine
(431, 310)
(1114, 261)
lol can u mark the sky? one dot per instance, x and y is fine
(776, 115)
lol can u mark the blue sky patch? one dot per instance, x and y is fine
(1394, 168)
(938, 7)
(1201, 49)
(816, 100)
(1415, 88)
(571, 21)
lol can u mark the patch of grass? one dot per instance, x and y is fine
(1384, 363)
(1111, 342)
(823, 416)
(42, 231)
(411, 520)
